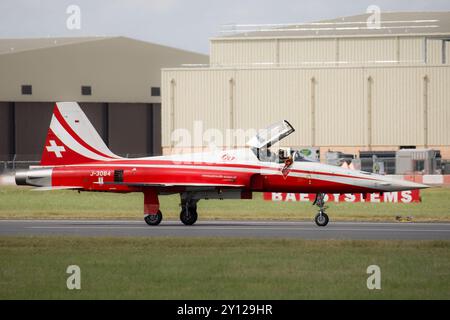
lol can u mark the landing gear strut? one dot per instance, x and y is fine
(188, 214)
(152, 214)
(321, 218)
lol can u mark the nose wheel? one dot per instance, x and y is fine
(321, 218)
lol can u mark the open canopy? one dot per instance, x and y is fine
(270, 135)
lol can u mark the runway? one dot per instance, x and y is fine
(234, 229)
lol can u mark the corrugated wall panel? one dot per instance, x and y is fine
(439, 106)
(340, 107)
(447, 52)
(368, 50)
(235, 52)
(411, 50)
(32, 122)
(434, 51)
(310, 51)
(6, 131)
(136, 139)
(304, 51)
(397, 106)
(266, 96)
(263, 96)
(197, 96)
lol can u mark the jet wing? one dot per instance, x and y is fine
(174, 184)
(56, 188)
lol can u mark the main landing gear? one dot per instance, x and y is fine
(153, 216)
(153, 219)
(188, 214)
(321, 218)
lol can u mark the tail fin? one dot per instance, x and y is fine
(71, 138)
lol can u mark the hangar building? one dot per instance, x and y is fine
(116, 80)
(343, 84)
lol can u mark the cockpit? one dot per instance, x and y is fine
(265, 138)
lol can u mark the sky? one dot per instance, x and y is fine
(184, 24)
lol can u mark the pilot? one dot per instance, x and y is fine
(286, 158)
(283, 155)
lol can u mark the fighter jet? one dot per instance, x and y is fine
(75, 157)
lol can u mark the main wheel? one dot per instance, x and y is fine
(188, 217)
(321, 219)
(153, 219)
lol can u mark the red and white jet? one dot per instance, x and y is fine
(75, 157)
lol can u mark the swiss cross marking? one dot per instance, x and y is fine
(53, 147)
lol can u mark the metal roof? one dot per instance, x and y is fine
(391, 23)
(9, 46)
(24, 44)
(119, 69)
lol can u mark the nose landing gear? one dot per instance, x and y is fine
(321, 218)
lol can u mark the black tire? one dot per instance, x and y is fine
(153, 219)
(188, 217)
(322, 219)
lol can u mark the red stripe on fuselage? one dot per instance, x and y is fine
(137, 163)
(275, 183)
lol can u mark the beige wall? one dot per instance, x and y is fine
(185, 102)
(311, 51)
(368, 50)
(308, 51)
(243, 52)
(447, 52)
(434, 51)
(118, 69)
(411, 50)
(329, 107)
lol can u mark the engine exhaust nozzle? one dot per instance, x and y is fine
(21, 178)
(34, 177)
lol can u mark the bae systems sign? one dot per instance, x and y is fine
(394, 197)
